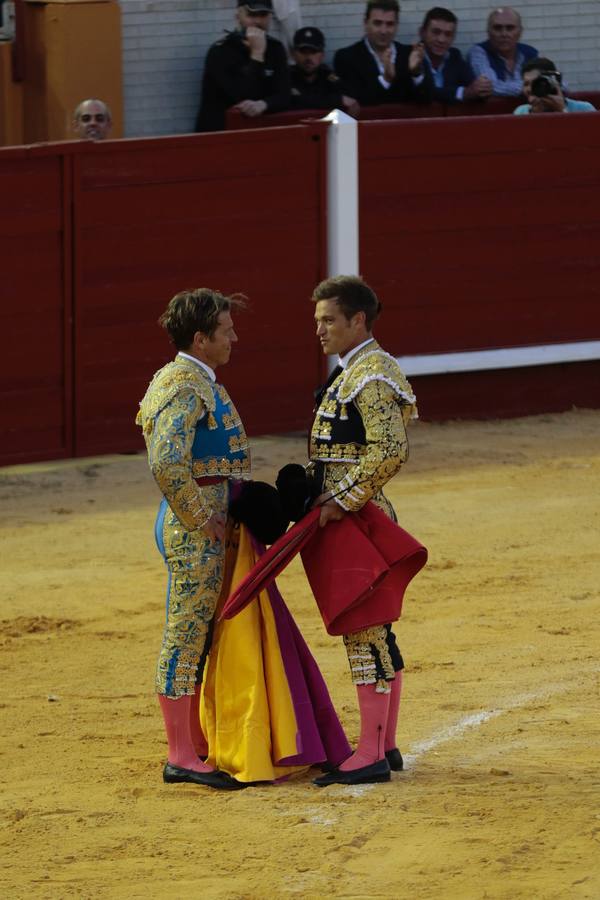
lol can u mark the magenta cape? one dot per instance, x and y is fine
(358, 568)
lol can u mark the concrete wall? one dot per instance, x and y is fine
(165, 41)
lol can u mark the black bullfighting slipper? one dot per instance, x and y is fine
(376, 772)
(221, 781)
(394, 757)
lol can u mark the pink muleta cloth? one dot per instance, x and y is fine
(358, 568)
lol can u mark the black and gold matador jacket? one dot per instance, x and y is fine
(359, 430)
(192, 430)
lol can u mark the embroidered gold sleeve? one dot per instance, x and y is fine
(170, 458)
(387, 446)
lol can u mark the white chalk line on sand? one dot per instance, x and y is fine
(474, 720)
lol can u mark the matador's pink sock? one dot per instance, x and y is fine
(182, 752)
(392, 719)
(198, 739)
(374, 707)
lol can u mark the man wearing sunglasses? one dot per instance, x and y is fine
(92, 120)
(502, 57)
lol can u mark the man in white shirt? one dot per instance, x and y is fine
(378, 69)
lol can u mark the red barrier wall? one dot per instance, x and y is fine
(235, 212)
(476, 233)
(239, 213)
(493, 106)
(35, 306)
(482, 233)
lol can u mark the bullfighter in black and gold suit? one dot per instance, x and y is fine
(358, 443)
(196, 443)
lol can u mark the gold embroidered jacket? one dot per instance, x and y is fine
(192, 430)
(359, 430)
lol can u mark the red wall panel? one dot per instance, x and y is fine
(236, 213)
(481, 233)
(34, 309)
(508, 392)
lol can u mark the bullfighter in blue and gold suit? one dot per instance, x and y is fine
(266, 710)
(358, 443)
(196, 443)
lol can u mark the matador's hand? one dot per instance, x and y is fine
(330, 510)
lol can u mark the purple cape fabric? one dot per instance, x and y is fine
(320, 735)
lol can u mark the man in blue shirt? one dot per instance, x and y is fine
(502, 57)
(446, 76)
(542, 87)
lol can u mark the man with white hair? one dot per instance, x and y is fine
(502, 56)
(92, 120)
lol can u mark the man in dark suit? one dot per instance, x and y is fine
(445, 75)
(377, 69)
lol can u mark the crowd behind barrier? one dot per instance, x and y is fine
(246, 74)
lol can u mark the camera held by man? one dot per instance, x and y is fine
(544, 92)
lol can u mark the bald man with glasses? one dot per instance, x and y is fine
(502, 57)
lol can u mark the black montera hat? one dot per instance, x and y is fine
(257, 6)
(309, 37)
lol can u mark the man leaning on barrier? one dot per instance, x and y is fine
(378, 69)
(246, 70)
(446, 76)
(315, 85)
(502, 56)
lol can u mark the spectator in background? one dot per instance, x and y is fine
(542, 87)
(247, 70)
(315, 85)
(502, 57)
(377, 69)
(92, 120)
(446, 76)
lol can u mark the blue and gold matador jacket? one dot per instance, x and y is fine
(359, 430)
(192, 430)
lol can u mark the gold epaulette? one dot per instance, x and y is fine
(172, 379)
(374, 364)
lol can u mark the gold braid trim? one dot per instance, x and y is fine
(167, 383)
(374, 364)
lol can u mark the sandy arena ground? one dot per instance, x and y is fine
(500, 722)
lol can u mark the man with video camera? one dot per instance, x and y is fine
(542, 88)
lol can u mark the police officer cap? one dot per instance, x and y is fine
(312, 38)
(258, 6)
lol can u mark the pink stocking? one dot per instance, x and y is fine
(373, 707)
(392, 719)
(198, 739)
(182, 752)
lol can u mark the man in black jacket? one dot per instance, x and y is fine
(247, 70)
(314, 85)
(446, 76)
(377, 69)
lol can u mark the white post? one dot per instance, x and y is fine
(342, 195)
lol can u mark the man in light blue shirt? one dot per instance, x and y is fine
(502, 56)
(542, 88)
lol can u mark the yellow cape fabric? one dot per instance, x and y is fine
(247, 711)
